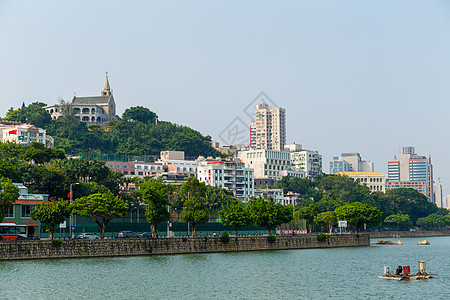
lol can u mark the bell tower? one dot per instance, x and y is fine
(106, 88)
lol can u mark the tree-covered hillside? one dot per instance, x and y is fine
(138, 132)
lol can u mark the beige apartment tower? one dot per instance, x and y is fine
(268, 131)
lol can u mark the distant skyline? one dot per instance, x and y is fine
(353, 76)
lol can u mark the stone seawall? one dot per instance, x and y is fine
(419, 233)
(15, 250)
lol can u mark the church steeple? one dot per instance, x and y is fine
(106, 88)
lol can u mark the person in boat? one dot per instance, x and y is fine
(399, 270)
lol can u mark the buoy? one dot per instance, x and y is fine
(399, 242)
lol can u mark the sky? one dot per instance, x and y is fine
(353, 76)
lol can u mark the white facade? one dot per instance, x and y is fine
(268, 131)
(133, 169)
(375, 181)
(446, 202)
(231, 175)
(266, 163)
(307, 161)
(292, 173)
(277, 195)
(438, 194)
(24, 134)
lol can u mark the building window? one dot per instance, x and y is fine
(26, 210)
(9, 212)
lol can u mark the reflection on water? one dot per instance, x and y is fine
(340, 273)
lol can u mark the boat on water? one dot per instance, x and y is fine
(403, 273)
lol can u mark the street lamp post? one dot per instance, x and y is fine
(70, 202)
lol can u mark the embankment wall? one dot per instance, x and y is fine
(16, 250)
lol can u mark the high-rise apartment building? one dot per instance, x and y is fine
(268, 131)
(438, 197)
(350, 162)
(411, 171)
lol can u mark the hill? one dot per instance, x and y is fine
(137, 132)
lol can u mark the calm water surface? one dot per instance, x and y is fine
(340, 273)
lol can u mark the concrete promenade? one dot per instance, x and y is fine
(18, 250)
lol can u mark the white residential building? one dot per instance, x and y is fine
(229, 174)
(307, 161)
(277, 195)
(375, 181)
(135, 168)
(266, 163)
(24, 134)
(446, 202)
(438, 197)
(268, 131)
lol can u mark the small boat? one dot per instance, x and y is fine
(403, 273)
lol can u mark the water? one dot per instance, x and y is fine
(340, 273)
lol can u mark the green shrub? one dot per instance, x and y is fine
(57, 242)
(322, 236)
(358, 234)
(272, 238)
(225, 237)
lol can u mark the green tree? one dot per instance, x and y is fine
(357, 214)
(102, 208)
(410, 202)
(154, 194)
(402, 221)
(307, 213)
(442, 211)
(9, 170)
(194, 212)
(41, 154)
(33, 114)
(52, 214)
(267, 214)
(191, 188)
(433, 221)
(328, 219)
(234, 214)
(139, 113)
(8, 195)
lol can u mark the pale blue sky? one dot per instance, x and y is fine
(354, 76)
